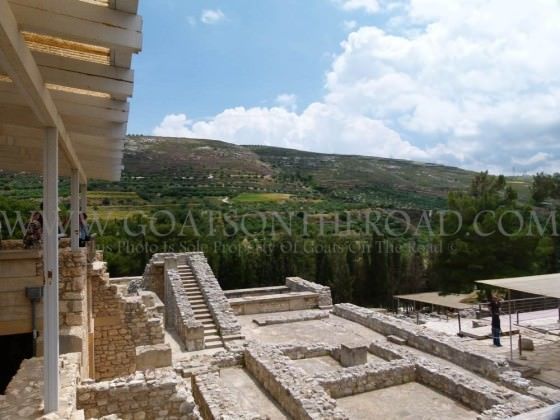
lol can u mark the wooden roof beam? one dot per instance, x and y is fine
(22, 69)
(80, 21)
(128, 6)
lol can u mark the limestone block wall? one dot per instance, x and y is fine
(432, 342)
(301, 396)
(24, 395)
(120, 324)
(214, 296)
(152, 394)
(297, 284)
(74, 305)
(369, 377)
(153, 278)
(179, 314)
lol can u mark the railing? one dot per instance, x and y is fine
(526, 305)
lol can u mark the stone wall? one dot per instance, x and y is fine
(287, 317)
(439, 344)
(369, 377)
(217, 302)
(121, 324)
(179, 314)
(24, 396)
(153, 278)
(493, 400)
(214, 402)
(299, 395)
(153, 394)
(297, 284)
(74, 305)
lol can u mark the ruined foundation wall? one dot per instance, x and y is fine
(74, 308)
(369, 377)
(297, 284)
(153, 394)
(302, 397)
(121, 324)
(153, 278)
(24, 396)
(432, 342)
(214, 402)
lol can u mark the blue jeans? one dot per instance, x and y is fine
(496, 336)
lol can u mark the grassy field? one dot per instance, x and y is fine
(261, 198)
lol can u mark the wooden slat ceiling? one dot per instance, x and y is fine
(83, 50)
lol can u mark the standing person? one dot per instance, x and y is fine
(34, 231)
(84, 230)
(495, 306)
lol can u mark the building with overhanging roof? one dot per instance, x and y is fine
(65, 80)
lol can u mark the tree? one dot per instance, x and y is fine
(492, 238)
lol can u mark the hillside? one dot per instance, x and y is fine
(173, 171)
(196, 167)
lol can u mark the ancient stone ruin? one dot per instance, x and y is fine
(173, 345)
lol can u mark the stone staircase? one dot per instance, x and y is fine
(212, 337)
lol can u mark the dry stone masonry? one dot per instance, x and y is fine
(287, 317)
(121, 324)
(23, 399)
(218, 304)
(297, 284)
(179, 315)
(153, 394)
(301, 396)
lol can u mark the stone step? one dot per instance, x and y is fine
(198, 306)
(201, 312)
(213, 345)
(212, 338)
(192, 289)
(210, 331)
(233, 337)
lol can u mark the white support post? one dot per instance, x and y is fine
(83, 198)
(75, 210)
(50, 263)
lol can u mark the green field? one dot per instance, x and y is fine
(261, 197)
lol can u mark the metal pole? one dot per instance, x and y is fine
(459, 319)
(83, 198)
(75, 210)
(50, 259)
(510, 327)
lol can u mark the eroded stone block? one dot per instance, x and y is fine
(152, 357)
(353, 355)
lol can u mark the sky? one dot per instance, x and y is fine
(470, 83)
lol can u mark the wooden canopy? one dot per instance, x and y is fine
(66, 64)
(543, 285)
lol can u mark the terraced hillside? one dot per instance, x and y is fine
(172, 171)
(193, 167)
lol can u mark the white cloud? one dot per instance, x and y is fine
(471, 84)
(212, 17)
(287, 100)
(369, 6)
